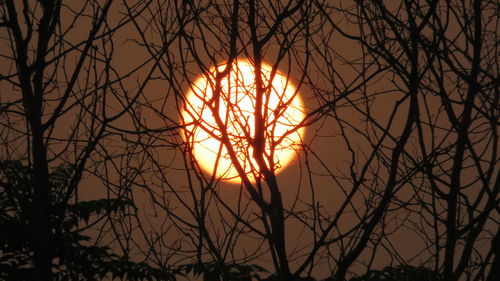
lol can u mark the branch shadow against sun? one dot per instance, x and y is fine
(229, 106)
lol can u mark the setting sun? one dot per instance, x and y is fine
(282, 110)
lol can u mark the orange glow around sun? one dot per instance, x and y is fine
(282, 110)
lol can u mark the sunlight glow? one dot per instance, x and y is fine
(282, 108)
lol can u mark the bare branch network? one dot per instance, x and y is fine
(249, 140)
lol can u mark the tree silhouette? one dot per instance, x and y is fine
(398, 168)
(58, 82)
(74, 259)
(440, 57)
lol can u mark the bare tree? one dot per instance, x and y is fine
(442, 58)
(61, 96)
(400, 118)
(295, 38)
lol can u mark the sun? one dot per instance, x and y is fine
(282, 109)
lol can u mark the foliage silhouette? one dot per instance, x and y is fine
(227, 272)
(74, 255)
(400, 273)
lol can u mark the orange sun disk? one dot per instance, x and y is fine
(283, 111)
